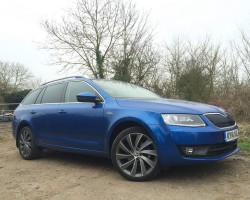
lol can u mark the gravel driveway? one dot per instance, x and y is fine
(60, 176)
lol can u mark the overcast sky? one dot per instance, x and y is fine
(20, 28)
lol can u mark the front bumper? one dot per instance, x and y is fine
(171, 140)
(208, 150)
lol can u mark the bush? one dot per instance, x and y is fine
(237, 102)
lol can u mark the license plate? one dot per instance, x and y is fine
(231, 135)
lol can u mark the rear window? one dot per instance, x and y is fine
(31, 97)
(53, 94)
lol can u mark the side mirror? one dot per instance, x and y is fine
(87, 97)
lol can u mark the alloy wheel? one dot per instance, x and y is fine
(25, 142)
(136, 155)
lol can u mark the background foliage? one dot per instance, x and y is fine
(113, 39)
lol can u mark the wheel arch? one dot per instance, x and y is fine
(19, 127)
(122, 125)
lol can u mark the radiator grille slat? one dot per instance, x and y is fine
(220, 120)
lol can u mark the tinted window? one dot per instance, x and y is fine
(30, 99)
(75, 88)
(53, 94)
(39, 98)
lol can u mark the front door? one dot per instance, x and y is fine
(82, 123)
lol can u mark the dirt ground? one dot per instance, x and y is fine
(64, 176)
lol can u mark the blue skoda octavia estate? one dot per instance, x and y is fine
(140, 131)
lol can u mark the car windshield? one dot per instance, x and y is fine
(118, 89)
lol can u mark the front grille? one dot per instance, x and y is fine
(209, 150)
(220, 120)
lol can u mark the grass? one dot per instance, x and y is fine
(244, 136)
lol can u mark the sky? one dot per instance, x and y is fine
(21, 31)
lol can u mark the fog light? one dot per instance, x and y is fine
(189, 150)
(194, 151)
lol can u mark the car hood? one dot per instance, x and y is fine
(169, 106)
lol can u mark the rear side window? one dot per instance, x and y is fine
(53, 94)
(75, 88)
(31, 98)
(39, 98)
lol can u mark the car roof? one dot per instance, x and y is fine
(75, 78)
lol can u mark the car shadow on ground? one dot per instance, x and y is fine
(77, 159)
(193, 172)
(196, 172)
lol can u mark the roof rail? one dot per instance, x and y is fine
(62, 79)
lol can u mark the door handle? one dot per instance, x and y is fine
(33, 112)
(62, 111)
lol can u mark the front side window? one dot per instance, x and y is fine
(53, 94)
(31, 98)
(75, 88)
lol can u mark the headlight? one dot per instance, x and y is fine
(183, 120)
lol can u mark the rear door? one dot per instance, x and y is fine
(26, 110)
(46, 119)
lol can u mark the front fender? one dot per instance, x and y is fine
(138, 117)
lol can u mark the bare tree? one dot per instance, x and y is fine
(135, 56)
(104, 38)
(173, 59)
(228, 76)
(191, 70)
(243, 50)
(13, 77)
(84, 38)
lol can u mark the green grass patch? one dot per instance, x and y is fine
(244, 136)
(244, 144)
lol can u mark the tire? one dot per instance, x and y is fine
(134, 155)
(27, 146)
